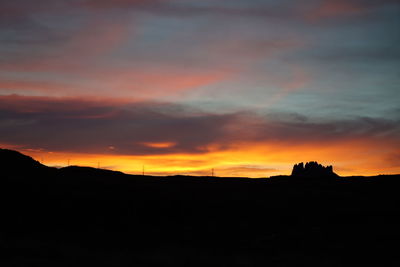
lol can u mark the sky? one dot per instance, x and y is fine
(247, 88)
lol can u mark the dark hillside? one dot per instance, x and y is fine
(78, 216)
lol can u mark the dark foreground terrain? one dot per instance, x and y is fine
(78, 216)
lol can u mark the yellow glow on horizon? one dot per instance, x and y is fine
(241, 160)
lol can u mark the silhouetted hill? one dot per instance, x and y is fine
(15, 159)
(78, 216)
(13, 162)
(88, 171)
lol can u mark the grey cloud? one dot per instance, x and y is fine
(359, 54)
(92, 127)
(75, 125)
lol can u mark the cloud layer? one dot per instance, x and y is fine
(145, 128)
(244, 85)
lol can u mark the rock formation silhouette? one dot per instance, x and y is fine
(312, 169)
(82, 216)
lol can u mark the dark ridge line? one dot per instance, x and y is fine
(300, 170)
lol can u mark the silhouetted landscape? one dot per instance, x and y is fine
(196, 133)
(81, 216)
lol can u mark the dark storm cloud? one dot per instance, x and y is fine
(89, 126)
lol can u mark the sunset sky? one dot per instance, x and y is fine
(183, 86)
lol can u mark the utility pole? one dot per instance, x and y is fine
(98, 165)
(143, 170)
(212, 172)
(68, 163)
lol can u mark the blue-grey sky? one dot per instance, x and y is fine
(260, 73)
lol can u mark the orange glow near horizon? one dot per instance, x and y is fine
(242, 160)
(160, 145)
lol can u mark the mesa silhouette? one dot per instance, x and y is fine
(80, 216)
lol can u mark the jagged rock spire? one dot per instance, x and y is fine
(312, 168)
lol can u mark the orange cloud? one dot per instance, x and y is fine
(145, 84)
(160, 145)
(153, 83)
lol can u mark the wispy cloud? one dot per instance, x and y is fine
(117, 69)
(71, 124)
